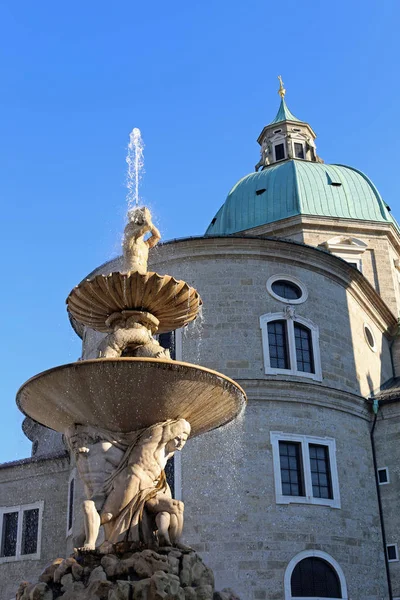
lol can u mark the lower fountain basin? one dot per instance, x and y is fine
(126, 394)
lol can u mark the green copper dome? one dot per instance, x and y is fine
(298, 187)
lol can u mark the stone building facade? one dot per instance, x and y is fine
(299, 275)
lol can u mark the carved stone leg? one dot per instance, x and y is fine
(92, 524)
(163, 521)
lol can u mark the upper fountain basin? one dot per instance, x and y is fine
(127, 394)
(174, 303)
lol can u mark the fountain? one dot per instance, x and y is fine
(123, 415)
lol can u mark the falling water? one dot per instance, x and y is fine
(135, 162)
(193, 334)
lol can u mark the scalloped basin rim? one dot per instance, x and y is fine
(125, 394)
(93, 300)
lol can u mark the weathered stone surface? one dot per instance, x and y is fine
(66, 581)
(97, 574)
(99, 590)
(75, 592)
(111, 565)
(174, 564)
(204, 592)
(63, 568)
(77, 572)
(165, 586)
(41, 591)
(170, 574)
(190, 593)
(149, 562)
(23, 590)
(127, 590)
(48, 572)
(225, 594)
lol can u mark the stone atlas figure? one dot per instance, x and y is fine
(125, 484)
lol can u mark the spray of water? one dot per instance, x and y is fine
(135, 162)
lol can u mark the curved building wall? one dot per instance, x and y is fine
(235, 512)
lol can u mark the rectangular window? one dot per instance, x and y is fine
(30, 530)
(298, 150)
(278, 346)
(279, 151)
(392, 552)
(305, 469)
(71, 492)
(9, 537)
(291, 469)
(304, 353)
(383, 476)
(290, 345)
(20, 532)
(320, 471)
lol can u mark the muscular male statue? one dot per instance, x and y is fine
(125, 484)
(135, 247)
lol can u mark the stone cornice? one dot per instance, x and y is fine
(318, 223)
(278, 390)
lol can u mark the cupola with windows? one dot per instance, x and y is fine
(286, 137)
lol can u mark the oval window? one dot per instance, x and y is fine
(287, 288)
(369, 336)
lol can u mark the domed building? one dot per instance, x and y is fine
(299, 272)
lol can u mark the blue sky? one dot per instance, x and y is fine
(200, 81)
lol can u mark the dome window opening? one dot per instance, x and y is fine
(298, 150)
(278, 131)
(261, 191)
(333, 182)
(369, 336)
(287, 289)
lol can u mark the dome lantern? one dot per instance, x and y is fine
(286, 137)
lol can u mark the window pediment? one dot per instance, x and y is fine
(345, 244)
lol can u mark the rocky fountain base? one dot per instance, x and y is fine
(126, 574)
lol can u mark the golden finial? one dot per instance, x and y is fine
(281, 90)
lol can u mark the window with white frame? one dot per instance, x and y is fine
(71, 502)
(20, 532)
(290, 345)
(305, 469)
(314, 575)
(392, 553)
(383, 476)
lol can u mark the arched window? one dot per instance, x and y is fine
(314, 578)
(314, 575)
(290, 344)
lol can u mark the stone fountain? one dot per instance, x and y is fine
(123, 416)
